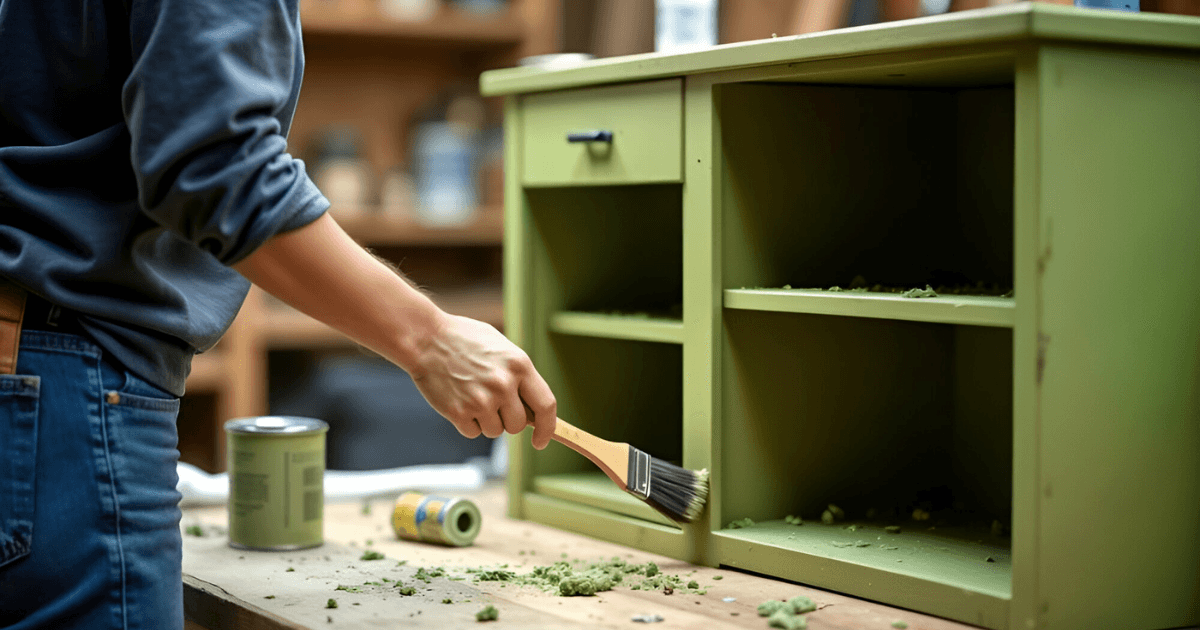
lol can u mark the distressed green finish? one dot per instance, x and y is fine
(1047, 149)
(646, 121)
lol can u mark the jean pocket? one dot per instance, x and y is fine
(126, 389)
(18, 458)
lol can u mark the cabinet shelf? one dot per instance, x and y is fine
(953, 309)
(596, 490)
(367, 225)
(447, 26)
(632, 327)
(946, 569)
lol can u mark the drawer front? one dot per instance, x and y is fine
(645, 120)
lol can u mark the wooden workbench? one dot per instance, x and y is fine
(227, 588)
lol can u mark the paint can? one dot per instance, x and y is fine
(276, 482)
(452, 521)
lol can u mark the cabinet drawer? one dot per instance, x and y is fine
(645, 120)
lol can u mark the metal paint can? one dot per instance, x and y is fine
(450, 521)
(276, 482)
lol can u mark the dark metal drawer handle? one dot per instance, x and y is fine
(593, 135)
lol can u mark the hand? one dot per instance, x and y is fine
(478, 379)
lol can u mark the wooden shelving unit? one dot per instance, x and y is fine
(373, 72)
(1031, 147)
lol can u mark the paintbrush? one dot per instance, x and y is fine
(677, 493)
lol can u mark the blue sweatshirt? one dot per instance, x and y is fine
(143, 151)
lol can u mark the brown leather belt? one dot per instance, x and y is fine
(12, 316)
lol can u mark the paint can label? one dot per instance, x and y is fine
(276, 489)
(436, 519)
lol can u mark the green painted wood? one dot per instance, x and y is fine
(634, 327)
(702, 302)
(610, 526)
(597, 490)
(1024, 612)
(950, 309)
(1119, 205)
(1014, 23)
(645, 120)
(946, 574)
(518, 325)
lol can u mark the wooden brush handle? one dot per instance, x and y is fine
(611, 457)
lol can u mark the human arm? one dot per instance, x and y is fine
(466, 369)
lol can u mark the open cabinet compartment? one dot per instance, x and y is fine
(878, 403)
(903, 187)
(607, 275)
(880, 418)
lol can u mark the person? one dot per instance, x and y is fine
(144, 183)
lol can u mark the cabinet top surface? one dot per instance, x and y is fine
(1011, 23)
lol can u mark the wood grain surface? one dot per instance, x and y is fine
(227, 588)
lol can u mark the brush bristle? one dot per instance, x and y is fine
(677, 493)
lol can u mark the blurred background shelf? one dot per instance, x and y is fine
(446, 25)
(375, 227)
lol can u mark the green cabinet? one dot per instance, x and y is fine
(1037, 165)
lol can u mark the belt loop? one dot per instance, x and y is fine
(12, 315)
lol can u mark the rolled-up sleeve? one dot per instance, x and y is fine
(208, 105)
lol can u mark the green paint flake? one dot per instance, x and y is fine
(861, 543)
(402, 563)
(693, 584)
(366, 508)
(580, 578)
(290, 570)
(269, 597)
(793, 520)
(770, 607)
(348, 589)
(927, 292)
(332, 603)
(371, 555)
(494, 575)
(852, 528)
(892, 529)
(718, 577)
(899, 624)
(801, 604)
(827, 517)
(739, 524)
(784, 619)
(406, 590)
(489, 613)
(447, 601)
(427, 575)
(584, 584)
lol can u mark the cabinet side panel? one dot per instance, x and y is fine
(516, 291)
(1120, 340)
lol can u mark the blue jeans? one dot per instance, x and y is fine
(89, 514)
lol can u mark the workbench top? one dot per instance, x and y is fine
(232, 588)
